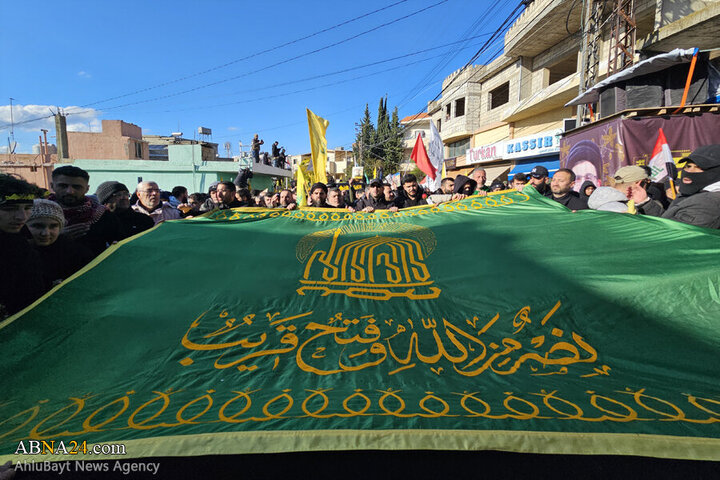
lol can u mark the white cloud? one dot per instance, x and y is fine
(93, 125)
(232, 128)
(76, 116)
(84, 74)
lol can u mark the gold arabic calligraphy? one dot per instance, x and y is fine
(350, 344)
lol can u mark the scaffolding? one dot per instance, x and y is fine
(622, 36)
(592, 37)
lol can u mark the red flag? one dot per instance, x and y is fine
(421, 159)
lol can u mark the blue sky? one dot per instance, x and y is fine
(180, 64)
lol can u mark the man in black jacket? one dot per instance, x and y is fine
(411, 194)
(88, 222)
(21, 281)
(699, 200)
(226, 196)
(375, 199)
(538, 179)
(115, 196)
(562, 190)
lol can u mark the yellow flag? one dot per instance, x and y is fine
(318, 146)
(301, 182)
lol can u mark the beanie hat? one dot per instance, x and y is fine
(107, 189)
(47, 209)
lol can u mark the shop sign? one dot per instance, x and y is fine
(534, 145)
(484, 153)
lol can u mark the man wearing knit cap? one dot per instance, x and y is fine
(116, 198)
(632, 181)
(60, 256)
(699, 199)
(87, 221)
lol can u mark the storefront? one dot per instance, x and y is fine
(527, 152)
(489, 157)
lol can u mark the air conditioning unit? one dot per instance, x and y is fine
(569, 124)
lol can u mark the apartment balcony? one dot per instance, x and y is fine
(541, 26)
(696, 29)
(549, 98)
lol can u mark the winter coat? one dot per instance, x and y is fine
(369, 201)
(133, 222)
(572, 201)
(21, 282)
(460, 182)
(701, 209)
(162, 212)
(61, 259)
(585, 184)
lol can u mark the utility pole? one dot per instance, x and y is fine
(11, 140)
(45, 145)
(61, 136)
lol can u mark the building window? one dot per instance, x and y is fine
(439, 125)
(459, 148)
(138, 150)
(447, 111)
(460, 107)
(563, 69)
(499, 96)
(158, 152)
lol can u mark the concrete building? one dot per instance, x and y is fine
(338, 161)
(167, 160)
(158, 147)
(117, 141)
(508, 115)
(183, 167)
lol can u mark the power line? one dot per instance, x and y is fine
(337, 72)
(2, 127)
(282, 62)
(495, 35)
(247, 57)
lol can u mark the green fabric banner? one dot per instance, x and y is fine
(503, 322)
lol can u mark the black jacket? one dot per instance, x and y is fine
(572, 201)
(133, 222)
(544, 190)
(63, 258)
(369, 201)
(460, 182)
(102, 233)
(585, 184)
(701, 209)
(21, 281)
(403, 201)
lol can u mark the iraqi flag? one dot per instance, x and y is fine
(661, 156)
(420, 157)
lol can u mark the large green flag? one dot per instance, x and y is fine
(503, 322)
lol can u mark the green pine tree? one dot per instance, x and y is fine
(394, 147)
(379, 148)
(364, 139)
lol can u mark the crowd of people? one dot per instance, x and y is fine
(277, 157)
(45, 237)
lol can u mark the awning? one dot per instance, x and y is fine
(551, 162)
(650, 65)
